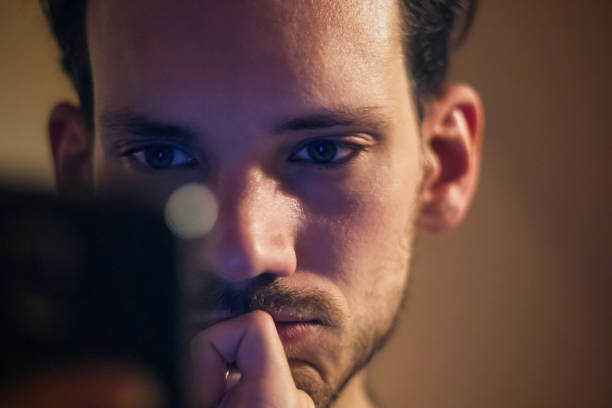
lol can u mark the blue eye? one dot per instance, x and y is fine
(323, 152)
(163, 157)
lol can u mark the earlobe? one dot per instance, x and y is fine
(71, 146)
(452, 135)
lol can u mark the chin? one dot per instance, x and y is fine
(309, 380)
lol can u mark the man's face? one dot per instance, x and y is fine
(298, 116)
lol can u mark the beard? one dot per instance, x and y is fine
(268, 293)
(323, 394)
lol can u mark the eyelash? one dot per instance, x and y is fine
(351, 148)
(346, 150)
(139, 154)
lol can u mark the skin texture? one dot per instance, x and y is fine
(330, 241)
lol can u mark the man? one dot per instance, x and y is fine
(324, 132)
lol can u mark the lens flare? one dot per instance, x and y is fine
(191, 211)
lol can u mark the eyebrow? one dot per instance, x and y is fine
(118, 122)
(366, 118)
(369, 118)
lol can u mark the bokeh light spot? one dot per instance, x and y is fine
(191, 211)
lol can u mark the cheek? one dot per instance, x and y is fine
(359, 236)
(364, 252)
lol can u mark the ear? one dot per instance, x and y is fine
(452, 131)
(71, 146)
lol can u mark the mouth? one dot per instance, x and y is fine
(291, 326)
(294, 331)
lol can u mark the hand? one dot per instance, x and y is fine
(251, 343)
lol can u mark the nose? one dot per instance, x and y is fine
(255, 229)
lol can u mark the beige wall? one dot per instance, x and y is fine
(514, 308)
(30, 82)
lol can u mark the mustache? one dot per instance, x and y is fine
(267, 293)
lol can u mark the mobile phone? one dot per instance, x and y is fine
(84, 281)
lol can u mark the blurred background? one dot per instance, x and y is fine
(512, 309)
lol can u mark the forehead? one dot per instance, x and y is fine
(241, 52)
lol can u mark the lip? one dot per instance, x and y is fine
(295, 331)
(290, 326)
(286, 317)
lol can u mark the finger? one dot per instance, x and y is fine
(209, 368)
(231, 378)
(251, 342)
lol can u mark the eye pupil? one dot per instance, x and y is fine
(159, 157)
(322, 152)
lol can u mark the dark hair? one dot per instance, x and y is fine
(427, 27)
(67, 21)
